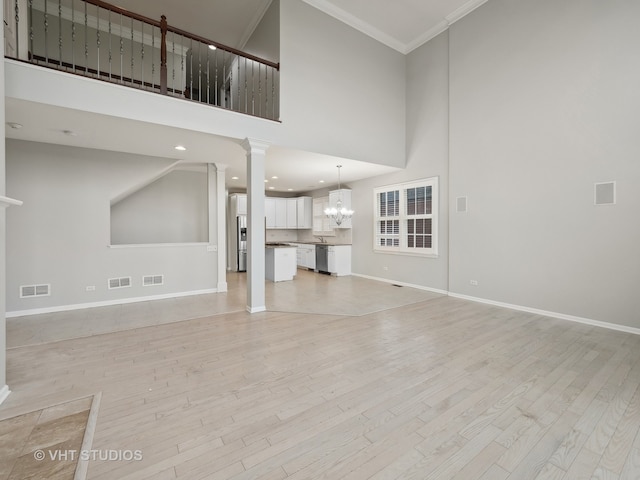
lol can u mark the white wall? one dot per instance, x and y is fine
(342, 93)
(61, 234)
(265, 39)
(172, 209)
(545, 102)
(427, 156)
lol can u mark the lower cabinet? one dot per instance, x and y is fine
(339, 260)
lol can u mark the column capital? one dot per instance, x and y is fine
(252, 145)
(220, 167)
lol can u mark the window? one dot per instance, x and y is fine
(406, 218)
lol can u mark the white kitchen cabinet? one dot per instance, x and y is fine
(280, 263)
(275, 210)
(270, 212)
(345, 196)
(292, 212)
(238, 204)
(339, 260)
(304, 212)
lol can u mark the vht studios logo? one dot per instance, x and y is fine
(85, 455)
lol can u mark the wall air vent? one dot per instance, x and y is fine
(27, 291)
(150, 280)
(605, 193)
(122, 282)
(461, 204)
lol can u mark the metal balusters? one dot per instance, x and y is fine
(60, 31)
(191, 71)
(153, 65)
(98, 39)
(17, 20)
(231, 79)
(246, 88)
(216, 94)
(73, 35)
(132, 54)
(253, 90)
(46, 31)
(86, 39)
(110, 48)
(31, 25)
(142, 55)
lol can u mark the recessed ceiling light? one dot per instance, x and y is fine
(234, 178)
(272, 188)
(180, 147)
(212, 47)
(14, 125)
(289, 189)
(266, 181)
(321, 181)
(275, 177)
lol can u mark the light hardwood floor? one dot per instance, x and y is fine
(378, 382)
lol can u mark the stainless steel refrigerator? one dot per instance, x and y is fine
(241, 222)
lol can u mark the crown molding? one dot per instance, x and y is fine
(330, 9)
(354, 22)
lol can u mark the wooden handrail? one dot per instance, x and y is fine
(163, 25)
(226, 48)
(123, 11)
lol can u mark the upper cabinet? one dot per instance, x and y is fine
(305, 212)
(289, 213)
(345, 196)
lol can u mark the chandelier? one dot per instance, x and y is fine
(338, 213)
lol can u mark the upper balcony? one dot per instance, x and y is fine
(102, 41)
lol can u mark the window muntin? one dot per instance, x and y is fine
(406, 217)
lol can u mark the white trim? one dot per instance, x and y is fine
(404, 284)
(546, 313)
(537, 311)
(464, 10)
(4, 393)
(222, 287)
(87, 441)
(360, 25)
(9, 202)
(159, 245)
(405, 48)
(107, 303)
(256, 309)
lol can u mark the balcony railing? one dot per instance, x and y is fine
(103, 41)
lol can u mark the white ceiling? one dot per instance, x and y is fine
(402, 24)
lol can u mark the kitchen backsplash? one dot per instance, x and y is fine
(342, 236)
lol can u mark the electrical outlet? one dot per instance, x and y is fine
(474, 282)
(90, 288)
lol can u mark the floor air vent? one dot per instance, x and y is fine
(150, 280)
(122, 282)
(27, 291)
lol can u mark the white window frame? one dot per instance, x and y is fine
(403, 217)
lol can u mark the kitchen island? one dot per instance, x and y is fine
(280, 262)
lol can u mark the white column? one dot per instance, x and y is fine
(218, 220)
(256, 154)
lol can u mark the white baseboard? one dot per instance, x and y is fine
(404, 284)
(4, 393)
(546, 313)
(256, 309)
(107, 303)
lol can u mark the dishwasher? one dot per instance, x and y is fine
(322, 258)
